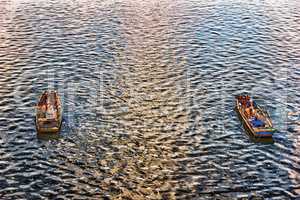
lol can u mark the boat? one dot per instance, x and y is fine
(255, 119)
(49, 113)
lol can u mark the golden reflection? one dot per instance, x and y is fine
(154, 88)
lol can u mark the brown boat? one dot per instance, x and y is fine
(48, 113)
(257, 122)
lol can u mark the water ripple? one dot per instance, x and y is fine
(148, 91)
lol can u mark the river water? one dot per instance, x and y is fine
(148, 94)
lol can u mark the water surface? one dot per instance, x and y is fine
(148, 90)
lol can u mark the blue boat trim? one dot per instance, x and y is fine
(264, 133)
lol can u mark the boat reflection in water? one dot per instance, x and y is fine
(269, 140)
(48, 136)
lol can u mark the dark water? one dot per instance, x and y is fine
(148, 91)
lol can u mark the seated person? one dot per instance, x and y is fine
(250, 112)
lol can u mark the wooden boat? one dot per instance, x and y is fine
(255, 120)
(49, 113)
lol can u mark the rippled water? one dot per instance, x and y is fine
(148, 90)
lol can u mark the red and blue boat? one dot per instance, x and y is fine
(255, 119)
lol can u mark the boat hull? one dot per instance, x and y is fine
(263, 133)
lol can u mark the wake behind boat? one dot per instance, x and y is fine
(255, 120)
(48, 113)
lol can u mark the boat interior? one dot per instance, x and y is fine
(47, 110)
(257, 117)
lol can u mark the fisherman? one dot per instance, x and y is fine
(249, 110)
(243, 101)
(248, 104)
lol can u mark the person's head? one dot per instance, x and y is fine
(251, 103)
